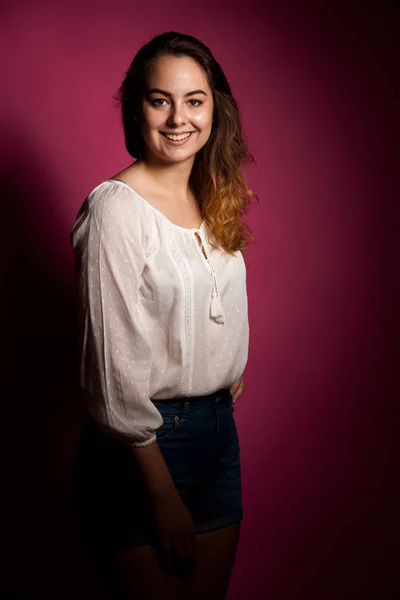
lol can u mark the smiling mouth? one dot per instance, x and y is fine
(177, 138)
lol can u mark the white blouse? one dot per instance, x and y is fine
(157, 320)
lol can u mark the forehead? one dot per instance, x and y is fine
(177, 74)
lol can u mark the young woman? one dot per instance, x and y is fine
(164, 333)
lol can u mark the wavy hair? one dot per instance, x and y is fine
(217, 177)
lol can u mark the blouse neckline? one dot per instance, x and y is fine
(191, 229)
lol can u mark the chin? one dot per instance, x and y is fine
(179, 159)
(176, 156)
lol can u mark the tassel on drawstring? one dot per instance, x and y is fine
(216, 311)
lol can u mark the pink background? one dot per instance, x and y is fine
(317, 84)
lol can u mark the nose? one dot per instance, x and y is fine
(177, 116)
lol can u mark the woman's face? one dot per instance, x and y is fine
(178, 101)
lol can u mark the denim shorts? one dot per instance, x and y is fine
(199, 442)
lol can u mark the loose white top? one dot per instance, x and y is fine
(157, 319)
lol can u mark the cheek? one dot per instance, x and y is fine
(152, 120)
(203, 120)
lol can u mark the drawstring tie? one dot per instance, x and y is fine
(216, 310)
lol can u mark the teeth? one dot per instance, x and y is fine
(177, 137)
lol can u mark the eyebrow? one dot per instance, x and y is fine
(158, 91)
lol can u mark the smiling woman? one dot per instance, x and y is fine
(164, 333)
(181, 111)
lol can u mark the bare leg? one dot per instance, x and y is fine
(136, 573)
(215, 557)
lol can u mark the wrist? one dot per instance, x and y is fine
(163, 494)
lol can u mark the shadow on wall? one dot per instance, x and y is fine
(41, 409)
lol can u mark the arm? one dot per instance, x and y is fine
(155, 472)
(116, 354)
(114, 345)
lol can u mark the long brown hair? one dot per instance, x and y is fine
(217, 177)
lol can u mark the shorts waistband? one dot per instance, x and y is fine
(221, 394)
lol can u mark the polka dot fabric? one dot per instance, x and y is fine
(158, 317)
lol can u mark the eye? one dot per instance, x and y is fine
(160, 101)
(157, 100)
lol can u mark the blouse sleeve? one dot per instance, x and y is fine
(115, 350)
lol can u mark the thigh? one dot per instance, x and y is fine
(136, 573)
(215, 557)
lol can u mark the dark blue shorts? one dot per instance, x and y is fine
(199, 442)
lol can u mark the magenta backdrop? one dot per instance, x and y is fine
(317, 84)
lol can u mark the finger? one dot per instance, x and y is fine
(183, 565)
(184, 551)
(185, 554)
(237, 394)
(166, 557)
(190, 550)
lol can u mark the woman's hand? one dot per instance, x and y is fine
(237, 389)
(175, 533)
(172, 522)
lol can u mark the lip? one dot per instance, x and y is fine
(178, 142)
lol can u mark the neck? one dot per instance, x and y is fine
(171, 178)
